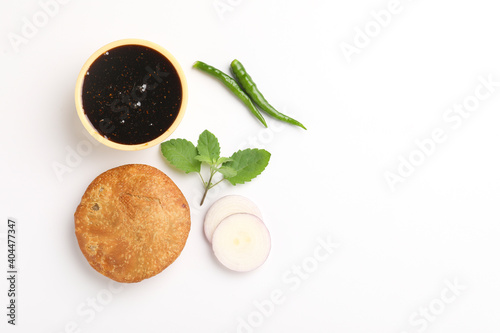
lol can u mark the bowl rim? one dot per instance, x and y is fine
(79, 99)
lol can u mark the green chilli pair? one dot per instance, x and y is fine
(246, 90)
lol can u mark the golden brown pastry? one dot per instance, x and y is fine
(132, 222)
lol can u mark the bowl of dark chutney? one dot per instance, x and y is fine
(131, 94)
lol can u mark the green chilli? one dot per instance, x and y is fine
(232, 85)
(251, 89)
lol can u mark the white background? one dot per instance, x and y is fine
(399, 250)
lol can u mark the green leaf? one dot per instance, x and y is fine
(208, 147)
(181, 153)
(223, 160)
(227, 172)
(205, 159)
(248, 164)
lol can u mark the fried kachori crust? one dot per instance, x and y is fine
(132, 223)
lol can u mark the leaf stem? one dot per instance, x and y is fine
(201, 177)
(207, 187)
(213, 185)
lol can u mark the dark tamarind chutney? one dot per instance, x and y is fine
(131, 94)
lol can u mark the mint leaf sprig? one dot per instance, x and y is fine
(241, 167)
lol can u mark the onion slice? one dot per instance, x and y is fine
(224, 207)
(241, 242)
